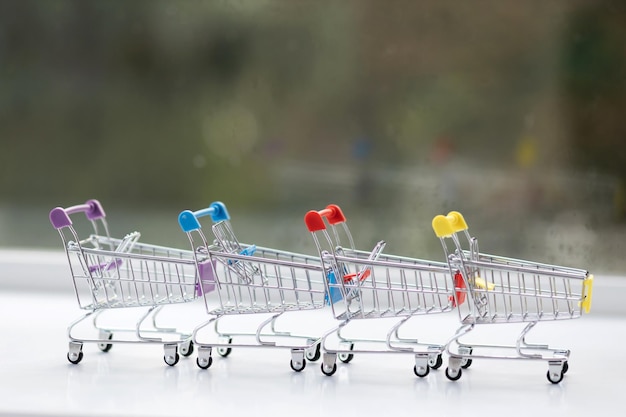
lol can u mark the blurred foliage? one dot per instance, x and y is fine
(172, 101)
(594, 68)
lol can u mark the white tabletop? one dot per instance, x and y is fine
(37, 379)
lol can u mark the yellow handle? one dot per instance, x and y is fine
(457, 221)
(442, 226)
(587, 291)
(446, 226)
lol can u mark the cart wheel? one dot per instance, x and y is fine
(297, 368)
(421, 372)
(204, 363)
(186, 349)
(452, 375)
(172, 360)
(436, 364)
(554, 378)
(329, 371)
(565, 368)
(466, 351)
(105, 347)
(75, 360)
(223, 351)
(346, 357)
(466, 363)
(315, 354)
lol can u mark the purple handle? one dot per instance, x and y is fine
(60, 217)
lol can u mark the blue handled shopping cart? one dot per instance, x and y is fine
(245, 279)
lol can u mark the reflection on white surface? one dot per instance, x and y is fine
(36, 378)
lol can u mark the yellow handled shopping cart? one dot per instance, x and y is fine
(492, 289)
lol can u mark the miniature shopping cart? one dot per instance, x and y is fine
(110, 273)
(253, 280)
(493, 289)
(369, 285)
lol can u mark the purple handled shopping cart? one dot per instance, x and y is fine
(122, 273)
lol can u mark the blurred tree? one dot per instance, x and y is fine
(594, 88)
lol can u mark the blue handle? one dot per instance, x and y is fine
(188, 220)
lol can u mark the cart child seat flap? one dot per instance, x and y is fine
(206, 272)
(125, 246)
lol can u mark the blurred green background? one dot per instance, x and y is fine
(510, 112)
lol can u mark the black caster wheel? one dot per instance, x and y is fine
(204, 363)
(421, 372)
(436, 364)
(296, 367)
(75, 360)
(315, 354)
(453, 376)
(172, 360)
(346, 357)
(329, 371)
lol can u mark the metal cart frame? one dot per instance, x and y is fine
(492, 289)
(376, 286)
(110, 273)
(255, 280)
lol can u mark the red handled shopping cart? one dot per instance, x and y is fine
(370, 285)
(244, 279)
(493, 289)
(110, 273)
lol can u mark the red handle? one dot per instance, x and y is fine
(314, 219)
